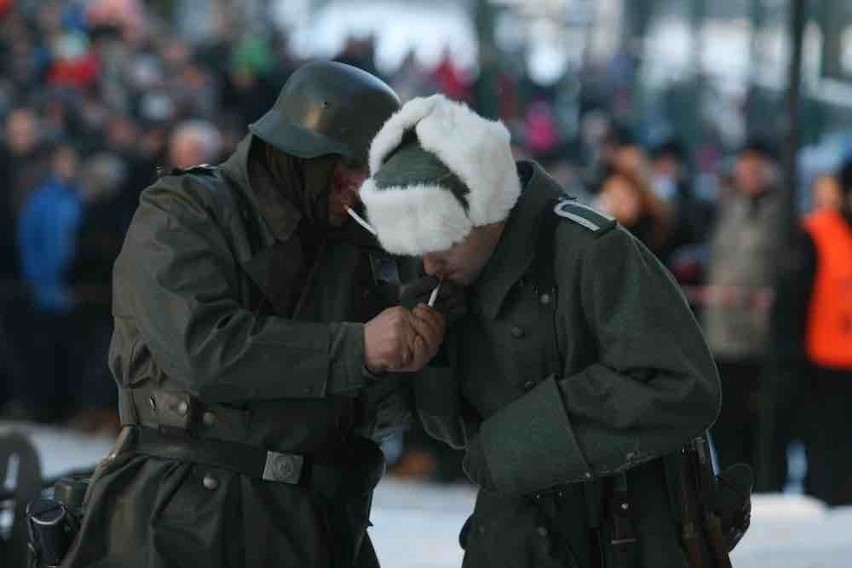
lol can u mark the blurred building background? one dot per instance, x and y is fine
(670, 114)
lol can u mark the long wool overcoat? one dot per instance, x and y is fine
(206, 272)
(632, 380)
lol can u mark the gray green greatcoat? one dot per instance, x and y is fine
(197, 285)
(636, 381)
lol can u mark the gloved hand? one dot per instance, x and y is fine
(451, 301)
(475, 465)
(733, 501)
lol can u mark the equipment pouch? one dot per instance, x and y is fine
(53, 523)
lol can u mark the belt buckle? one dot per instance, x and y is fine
(283, 468)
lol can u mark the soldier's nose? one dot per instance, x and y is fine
(433, 265)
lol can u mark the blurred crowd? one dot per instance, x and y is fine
(96, 97)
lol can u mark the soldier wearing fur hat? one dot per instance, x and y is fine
(250, 384)
(578, 366)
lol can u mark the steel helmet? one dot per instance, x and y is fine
(325, 108)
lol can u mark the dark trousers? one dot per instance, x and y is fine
(94, 386)
(52, 365)
(828, 436)
(783, 416)
(735, 431)
(12, 342)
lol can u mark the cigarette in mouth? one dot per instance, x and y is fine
(360, 220)
(434, 295)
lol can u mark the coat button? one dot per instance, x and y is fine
(529, 385)
(544, 299)
(209, 419)
(210, 482)
(183, 408)
(517, 332)
(542, 532)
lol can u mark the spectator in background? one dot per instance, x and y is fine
(743, 264)
(193, 143)
(122, 138)
(22, 164)
(412, 79)
(783, 419)
(630, 157)
(47, 233)
(826, 193)
(542, 131)
(451, 80)
(814, 333)
(634, 205)
(613, 138)
(671, 181)
(102, 180)
(21, 167)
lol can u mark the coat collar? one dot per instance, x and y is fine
(276, 252)
(517, 247)
(280, 217)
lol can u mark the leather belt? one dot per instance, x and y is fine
(360, 469)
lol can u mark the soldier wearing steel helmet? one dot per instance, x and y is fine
(250, 385)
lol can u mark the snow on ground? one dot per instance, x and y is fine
(416, 525)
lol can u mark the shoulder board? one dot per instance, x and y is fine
(580, 213)
(203, 169)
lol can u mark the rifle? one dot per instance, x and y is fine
(713, 511)
(712, 525)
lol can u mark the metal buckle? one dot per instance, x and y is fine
(283, 468)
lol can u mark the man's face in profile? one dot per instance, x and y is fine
(463, 262)
(346, 179)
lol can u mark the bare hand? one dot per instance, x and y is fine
(429, 326)
(389, 340)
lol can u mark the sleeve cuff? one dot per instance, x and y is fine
(529, 445)
(347, 374)
(436, 392)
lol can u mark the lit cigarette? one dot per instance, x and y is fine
(434, 295)
(360, 220)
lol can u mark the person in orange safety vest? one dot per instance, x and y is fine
(814, 307)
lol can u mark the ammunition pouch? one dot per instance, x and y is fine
(53, 523)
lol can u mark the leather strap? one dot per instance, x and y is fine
(170, 410)
(360, 469)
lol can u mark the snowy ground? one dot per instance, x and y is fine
(416, 525)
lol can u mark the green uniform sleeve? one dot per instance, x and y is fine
(653, 385)
(178, 279)
(438, 401)
(389, 406)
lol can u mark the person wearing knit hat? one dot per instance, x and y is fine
(578, 366)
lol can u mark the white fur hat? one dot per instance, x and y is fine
(437, 169)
